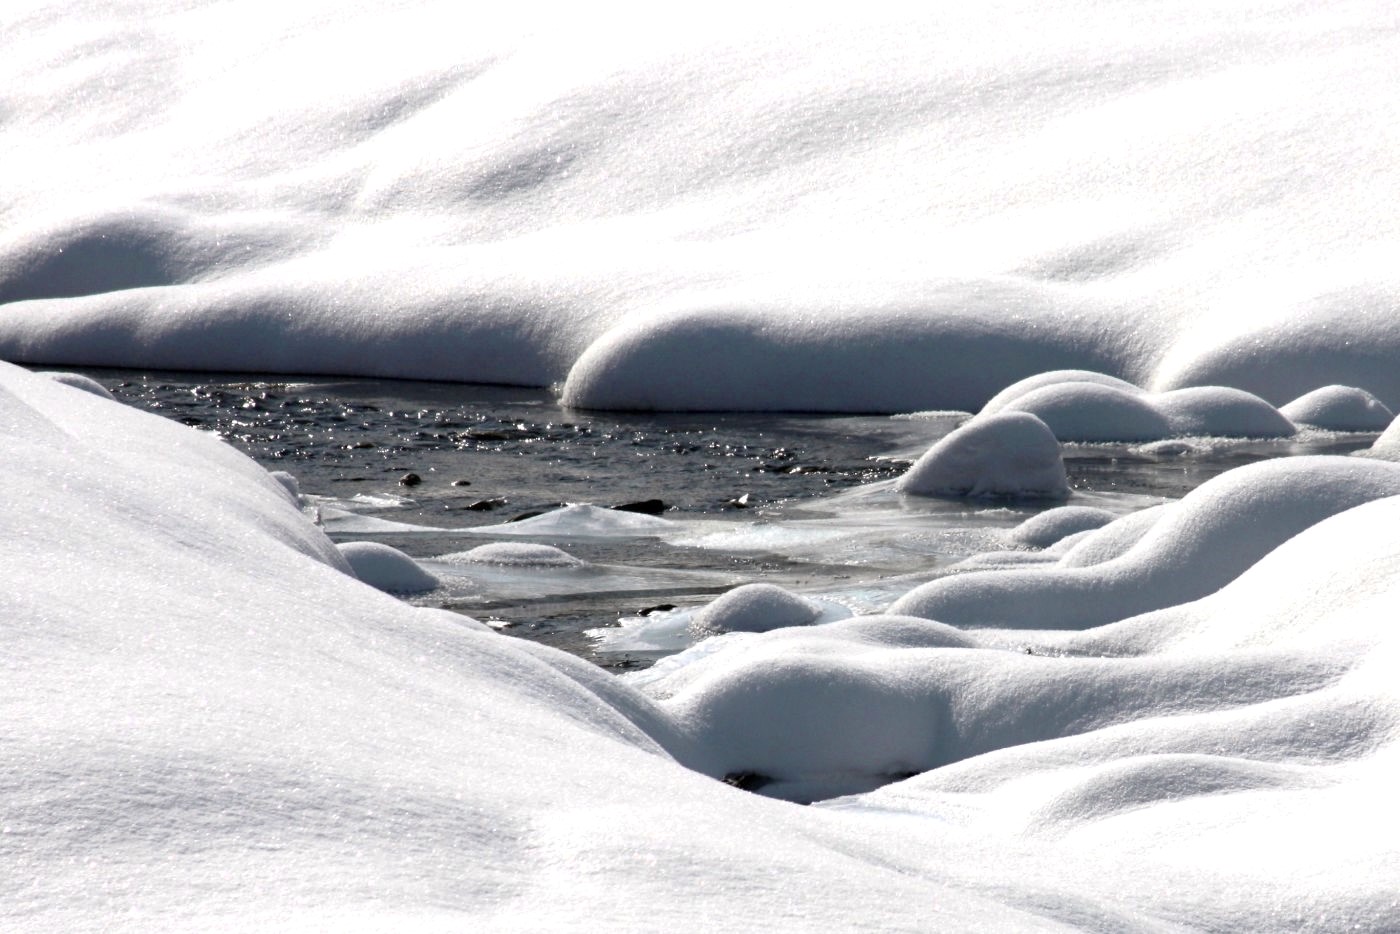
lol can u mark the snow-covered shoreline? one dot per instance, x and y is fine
(210, 723)
(857, 211)
(1182, 718)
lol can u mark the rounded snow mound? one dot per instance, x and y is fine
(1223, 412)
(1030, 384)
(1008, 454)
(1339, 408)
(756, 608)
(1053, 525)
(1082, 411)
(386, 568)
(516, 555)
(79, 381)
(1092, 407)
(1193, 548)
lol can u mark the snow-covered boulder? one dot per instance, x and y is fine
(1339, 408)
(1092, 407)
(387, 568)
(756, 608)
(1008, 454)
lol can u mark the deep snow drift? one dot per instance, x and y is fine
(858, 210)
(211, 722)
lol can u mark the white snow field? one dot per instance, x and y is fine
(1183, 718)
(210, 723)
(873, 209)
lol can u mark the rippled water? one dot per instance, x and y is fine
(485, 455)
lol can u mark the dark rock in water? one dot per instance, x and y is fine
(747, 781)
(461, 483)
(410, 479)
(485, 505)
(741, 502)
(659, 608)
(647, 507)
(526, 515)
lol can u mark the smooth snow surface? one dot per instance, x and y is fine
(386, 568)
(1192, 548)
(1339, 408)
(210, 723)
(1008, 454)
(1053, 525)
(858, 209)
(1081, 406)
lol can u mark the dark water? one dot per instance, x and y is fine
(484, 455)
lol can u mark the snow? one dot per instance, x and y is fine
(1053, 525)
(1169, 220)
(228, 729)
(1339, 408)
(516, 554)
(386, 568)
(918, 206)
(1008, 454)
(1079, 406)
(1193, 547)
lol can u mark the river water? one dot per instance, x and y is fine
(435, 469)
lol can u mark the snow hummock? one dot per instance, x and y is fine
(515, 555)
(386, 568)
(1007, 454)
(1052, 525)
(1080, 406)
(583, 520)
(1192, 548)
(756, 608)
(1339, 408)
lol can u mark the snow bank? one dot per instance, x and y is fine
(1192, 548)
(386, 568)
(897, 211)
(215, 724)
(1008, 454)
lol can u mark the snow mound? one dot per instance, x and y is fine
(1097, 408)
(1193, 548)
(386, 568)
(1052, 525)
(79, 381)
(756, 608)
(748, 608)
(1221, 411)
(1008, 454)
(583, 520)
(1339, 408)
(515, 555)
